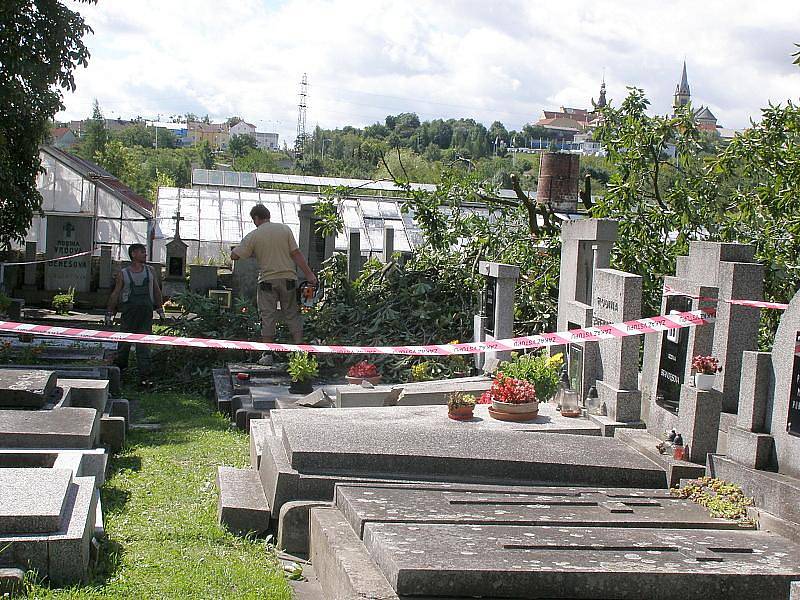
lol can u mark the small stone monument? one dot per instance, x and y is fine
(618, 298)
(175, 281)
(585, 247)
(501, 279)
(354, 259)
(68, 235)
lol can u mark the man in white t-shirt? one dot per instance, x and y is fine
(275, 249)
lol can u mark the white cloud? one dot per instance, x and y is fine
(504, 60)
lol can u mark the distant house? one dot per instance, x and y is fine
(705, 119)
(216, 134)
(266, 141)
(63, 137)
(242, 128)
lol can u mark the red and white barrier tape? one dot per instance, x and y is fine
(670, 291)
(47, 260)
(588, 334)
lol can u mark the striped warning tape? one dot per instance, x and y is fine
(47, 260)
(670, 291)
(588, 334)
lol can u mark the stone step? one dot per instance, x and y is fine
(645, 443)
(242, 504)
(26, 389)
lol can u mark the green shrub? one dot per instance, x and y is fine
(540, 369)
(302, 366)
(62, 303)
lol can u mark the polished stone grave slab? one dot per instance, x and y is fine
(496, 561)
(26, 389)
(546, 506)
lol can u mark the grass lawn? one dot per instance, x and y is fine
(160, 504)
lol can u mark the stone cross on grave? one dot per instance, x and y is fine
(178, 218)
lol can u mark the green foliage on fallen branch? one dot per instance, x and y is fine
(722, 499)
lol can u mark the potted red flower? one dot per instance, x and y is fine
(511, 399)
(363, 371)
(706, 368)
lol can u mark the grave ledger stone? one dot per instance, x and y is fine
(67, 235)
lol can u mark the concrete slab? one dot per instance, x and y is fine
(22, 388)
(32, 500)
(543, 507)
(595, 562)
(67, 427)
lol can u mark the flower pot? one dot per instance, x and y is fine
(517, 409)
(704, 381)
(357, 380)
(462, 413)
(301, 387)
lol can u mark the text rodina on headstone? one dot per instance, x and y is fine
(67, 236)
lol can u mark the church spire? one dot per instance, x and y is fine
(682, 92)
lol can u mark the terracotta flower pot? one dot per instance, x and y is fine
(513, 408)
(462, 413)
(357, 380)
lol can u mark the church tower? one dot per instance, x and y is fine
(601, 102)
(682, 93)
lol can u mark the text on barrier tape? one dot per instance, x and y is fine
(588, 334)
(670, 291)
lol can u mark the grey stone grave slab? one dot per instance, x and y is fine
(58, 428)
(594, 562)
(547, 506)
(618, 298)
(202, 278)
(32, 500)
(421, 443)
(82, 463)
(86, 393)
(26, 389)
(245, 278)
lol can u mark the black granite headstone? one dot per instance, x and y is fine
(793, 421)
(673, 357)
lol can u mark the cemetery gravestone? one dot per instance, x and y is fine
(30, 269)
(105, 279)
(314, 246)
(585, 247)
(501, 279)
(618, 298)
(67, 236)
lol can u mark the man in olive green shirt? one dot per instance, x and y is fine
(275, 249)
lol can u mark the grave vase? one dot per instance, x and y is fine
(704, 381)
(513, 408)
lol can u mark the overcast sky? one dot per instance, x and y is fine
(503, 60)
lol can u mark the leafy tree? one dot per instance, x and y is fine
(161, 180)
(135, 135)
(95, 138)
(233, 121)
(118, 160)
(240, 145)
(40, 45)
(205, 155)
(257, 161)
